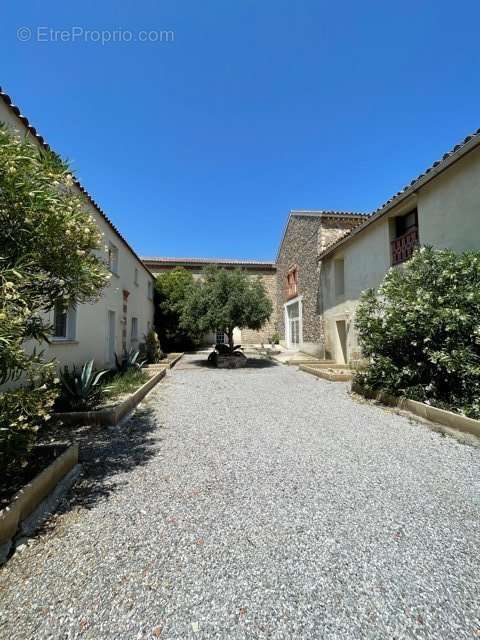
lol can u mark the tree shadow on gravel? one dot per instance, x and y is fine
(108, 454)
(252, 363)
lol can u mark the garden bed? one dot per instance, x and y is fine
(427, 412)
(22, 515)
(342, 374)
(39, 457)
(111, 415)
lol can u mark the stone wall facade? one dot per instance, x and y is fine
(263, 336)
(299, 248)
(306, 235)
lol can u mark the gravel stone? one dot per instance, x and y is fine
(257, 503)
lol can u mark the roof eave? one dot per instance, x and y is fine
(33, 132)
(316, 214)
(413, 188)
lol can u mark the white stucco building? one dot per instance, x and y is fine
(124, 313)
(440, 208)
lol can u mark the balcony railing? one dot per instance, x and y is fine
(402, 247)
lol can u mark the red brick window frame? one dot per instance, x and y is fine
(292, 282)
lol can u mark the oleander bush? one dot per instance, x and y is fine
(22, 412)
(420, 331)
(48, 256)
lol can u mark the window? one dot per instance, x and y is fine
(339, 275)
(150, 290)
(134, 333)
(405, 237)
(135, 278)
(113, 258)
(292, 282)
(403, 224)
(64, 321)
(219, 337)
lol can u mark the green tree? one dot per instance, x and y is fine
(172, 289)
(420, 332)
(48, 255)
(225, 299)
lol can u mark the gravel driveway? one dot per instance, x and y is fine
(257, 503)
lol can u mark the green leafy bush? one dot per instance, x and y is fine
(48, 255)
(80, 388)
(153, 350)
(22, 412)
(420, 332)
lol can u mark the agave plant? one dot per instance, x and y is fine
(129, 360)
(81, 389)
(221, 349)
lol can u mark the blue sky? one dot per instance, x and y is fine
(202, 145)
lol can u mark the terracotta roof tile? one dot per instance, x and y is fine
(467, 144)
(32, 130)
(219, 261)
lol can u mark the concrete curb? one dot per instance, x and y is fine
(112, 416)
(175, 358)
(49, 504)
(325, 374)
(422, 410)
(26, 501)
(167, 363)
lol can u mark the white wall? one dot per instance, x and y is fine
(366, 260)
(449, 207)
(91, 319)
(448, 217)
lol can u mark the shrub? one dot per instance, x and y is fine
(22, 412)
(48, 239)
(421, 331)
(153, 350)
(81, 389)
(275, 339)
(48, 254)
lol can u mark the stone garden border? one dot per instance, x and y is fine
(25, 511)
(322, 372)
(111, 416)
(168, 362)
(422, 410)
